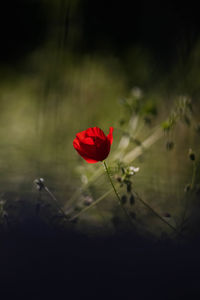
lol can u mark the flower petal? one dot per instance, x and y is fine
(95, 132)
(80, 149)
(76, 144)
(93, 145)
(81, 135)
(110, 135)
(88, 141)
(88, 159)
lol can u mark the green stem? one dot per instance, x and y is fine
(142, 201)
(91, 205)
(121, 205)
(154, 212)
(192, 185)
(116, 193)
(55, 201)
(193, 175)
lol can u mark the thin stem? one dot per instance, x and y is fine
(193, 175)
(55, 200)
(128, 158)
(194, 172)
(154, 212)
(92, 205)
(116, 193)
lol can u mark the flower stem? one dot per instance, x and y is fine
(91, 205)
(192, 185)
(154, 212)
(55, 201)
(140, 199)
(193, 175)
(116, 193)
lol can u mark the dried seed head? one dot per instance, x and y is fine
(187, 188)
(132, 199)
(123, 199)
(191, 154)
(39, 184)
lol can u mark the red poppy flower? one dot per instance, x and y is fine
(93, 145)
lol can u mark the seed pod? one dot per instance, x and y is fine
(123, 199)
(119, 179)
(187, 188)
(170, 145)
(191, 154)
(128, 187)
(132, 199)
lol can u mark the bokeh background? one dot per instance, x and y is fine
(68, 65)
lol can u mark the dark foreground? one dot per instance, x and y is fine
(39, 263)
(39, 260)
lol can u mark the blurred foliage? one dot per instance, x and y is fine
(59, 88)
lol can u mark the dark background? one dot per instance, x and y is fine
(165, 28)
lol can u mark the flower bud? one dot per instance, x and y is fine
(123, 199)
(187, 188)
(118, 178)
(93, 145)
(191, 154)
(132, 199)
(170, 145)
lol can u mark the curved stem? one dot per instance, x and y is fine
(154, 212)
(91, 205)
(140, 199)
(116, 193)
(55, 201)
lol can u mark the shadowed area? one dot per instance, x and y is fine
(52, 263)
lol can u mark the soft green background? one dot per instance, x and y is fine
(53, 93)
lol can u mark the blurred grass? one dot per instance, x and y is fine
(39, 117)
(57, 94)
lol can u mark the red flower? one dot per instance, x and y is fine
(92, 144)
